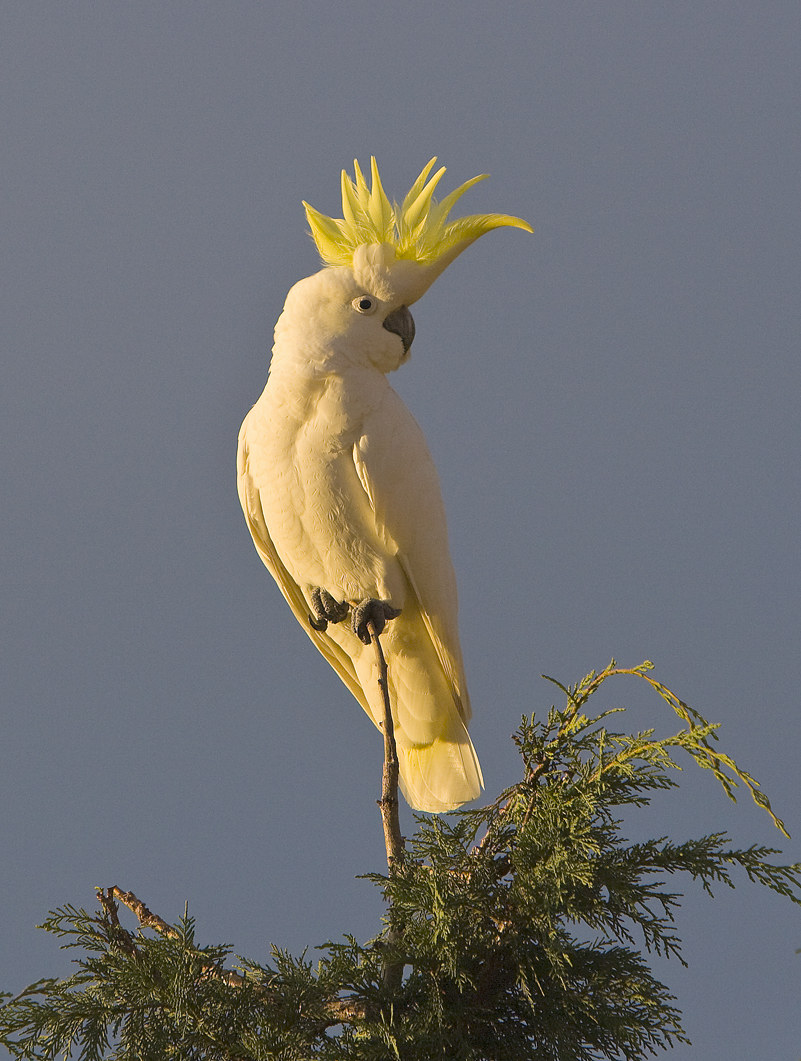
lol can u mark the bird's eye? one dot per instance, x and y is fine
(365, 304)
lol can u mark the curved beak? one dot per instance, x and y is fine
(401, 322)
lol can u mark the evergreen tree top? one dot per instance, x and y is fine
(515, 931)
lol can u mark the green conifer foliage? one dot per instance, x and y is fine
(515, 932)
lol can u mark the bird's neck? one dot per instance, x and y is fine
(302, 387)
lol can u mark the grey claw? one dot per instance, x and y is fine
(377, 612)
(326, 609)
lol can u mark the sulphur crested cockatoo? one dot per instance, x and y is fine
(339, 489)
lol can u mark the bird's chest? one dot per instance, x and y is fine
(313, 423)
(300, 443)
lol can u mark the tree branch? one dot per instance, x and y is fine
(340, 1009)
(147, 919)
(388, 803)
(390, 818)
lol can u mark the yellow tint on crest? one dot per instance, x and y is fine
(418, 230)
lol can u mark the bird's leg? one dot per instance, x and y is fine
(377, 612)
(326, 609)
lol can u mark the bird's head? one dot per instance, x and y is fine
(380, 258)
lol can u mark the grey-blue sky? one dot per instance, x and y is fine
(612, 405)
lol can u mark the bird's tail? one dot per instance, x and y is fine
(440, 776)
(439, 768)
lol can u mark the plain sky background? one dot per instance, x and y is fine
(613, 406)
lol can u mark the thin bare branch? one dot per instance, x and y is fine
(390, 817)
(389, 783)
(147, 919)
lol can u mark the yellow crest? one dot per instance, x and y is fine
(418, 231)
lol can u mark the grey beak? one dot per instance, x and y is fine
(401, 322)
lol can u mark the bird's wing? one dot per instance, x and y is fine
(251, 506)
(398, 474)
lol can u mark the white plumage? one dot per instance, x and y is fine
(341, 495)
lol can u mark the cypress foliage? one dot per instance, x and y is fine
(521, 930)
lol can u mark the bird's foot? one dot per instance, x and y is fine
(377, 612)
(326, 609)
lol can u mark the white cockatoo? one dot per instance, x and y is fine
(339, 489)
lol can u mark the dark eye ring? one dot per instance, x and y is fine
(364, 304)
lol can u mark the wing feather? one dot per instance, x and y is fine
(250, 500)
(397, 472)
